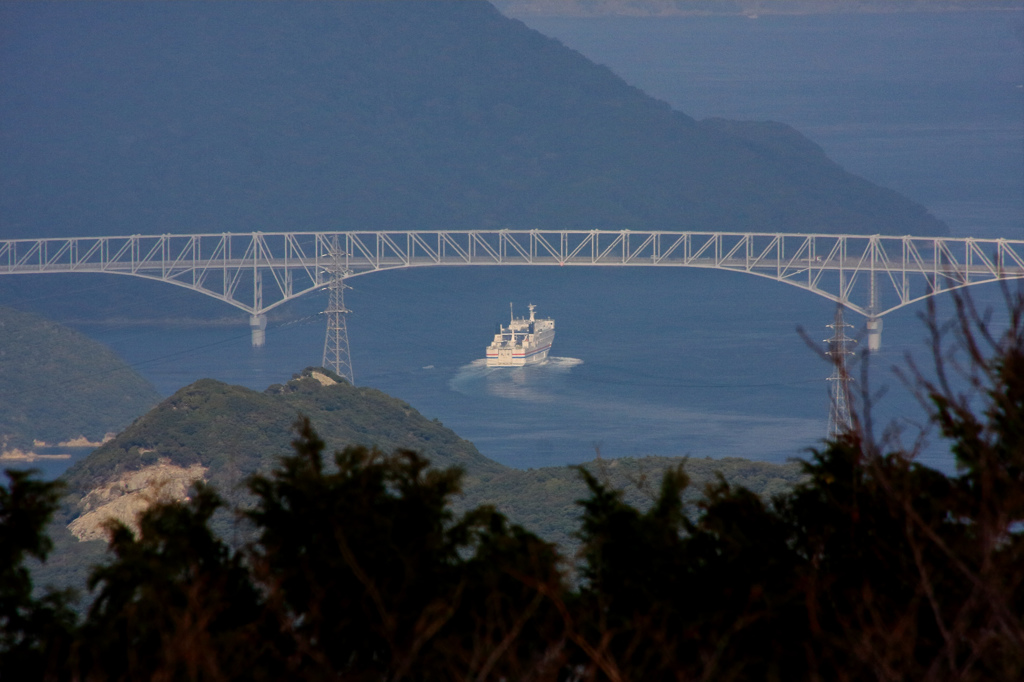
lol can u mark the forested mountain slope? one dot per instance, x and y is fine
(233, 432)
(545, 500)
(224, 434)
(57, 384)
(124, 118)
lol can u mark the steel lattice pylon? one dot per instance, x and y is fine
(336, 353)
(839, 420)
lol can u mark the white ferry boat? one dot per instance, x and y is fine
(522, 342)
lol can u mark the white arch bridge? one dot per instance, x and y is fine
(256, 272)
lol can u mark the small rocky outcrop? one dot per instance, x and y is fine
(126, 496)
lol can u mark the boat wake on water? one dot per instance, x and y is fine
(538, 382)
(562, 364)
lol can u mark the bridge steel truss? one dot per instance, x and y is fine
(256, 272)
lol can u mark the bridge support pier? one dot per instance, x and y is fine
(874, 333)
(258, 326)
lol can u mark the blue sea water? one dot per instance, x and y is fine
(707, 364)
(660, 362)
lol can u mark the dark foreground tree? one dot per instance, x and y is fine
(35, 632)
(875, 567)
(373, 577)
(176, 603)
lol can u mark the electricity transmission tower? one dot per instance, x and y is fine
(336, 354)
(839, 419)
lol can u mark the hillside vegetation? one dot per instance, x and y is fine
(235, 432)
(57, 384)
(545, 500)
(231, 433)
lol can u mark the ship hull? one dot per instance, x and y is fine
(500, 359)
(522, 342)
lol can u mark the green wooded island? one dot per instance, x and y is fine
(224, 434)
(58, 385)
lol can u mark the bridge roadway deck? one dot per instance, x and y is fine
(361, 267)
(872, 275)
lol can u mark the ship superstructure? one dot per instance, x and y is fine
(523, 342)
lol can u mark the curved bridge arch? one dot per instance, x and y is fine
(256, 272)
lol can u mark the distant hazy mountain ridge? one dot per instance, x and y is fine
(59, 386)
(748, 8)
(127, 118)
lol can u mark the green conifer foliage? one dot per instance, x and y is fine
(35, 632)
(177, 603)
(373, 576)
